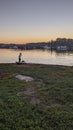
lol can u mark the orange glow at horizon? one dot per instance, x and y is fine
(30, 40)
(27, 40)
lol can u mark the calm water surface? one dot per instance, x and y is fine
(37, 56)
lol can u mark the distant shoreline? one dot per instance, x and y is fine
(60, 44)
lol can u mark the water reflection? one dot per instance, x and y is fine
(37, 56)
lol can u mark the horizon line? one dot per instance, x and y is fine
(37, 41)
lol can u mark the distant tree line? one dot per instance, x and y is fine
(58, 44)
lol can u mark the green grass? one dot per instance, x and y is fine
(53, 88)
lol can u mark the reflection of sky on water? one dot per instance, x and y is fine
(36, 56)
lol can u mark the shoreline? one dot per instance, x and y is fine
(36, 64)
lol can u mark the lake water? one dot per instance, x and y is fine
(37, 56)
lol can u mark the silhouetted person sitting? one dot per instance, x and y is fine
(19, 57)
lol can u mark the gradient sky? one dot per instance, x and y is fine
(23, 21)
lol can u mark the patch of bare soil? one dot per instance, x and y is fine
(23, 77)
(35, 100)
(4, 75)
(29, 91)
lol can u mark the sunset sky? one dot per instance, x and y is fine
(23, 21)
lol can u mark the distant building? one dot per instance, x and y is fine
(62, 48)
(47, 47)
(15, 47)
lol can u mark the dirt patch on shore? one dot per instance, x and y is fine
(30, 91)
(4, 75)
(23, 77)
(35, 100)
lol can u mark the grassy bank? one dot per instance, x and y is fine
(46, 103)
